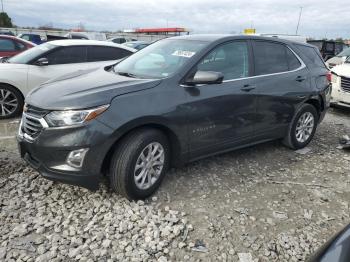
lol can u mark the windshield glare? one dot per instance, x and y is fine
(30, 54)
(161, 59)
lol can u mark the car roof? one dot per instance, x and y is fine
(217, 37)
(80, 42)
(17, 39)
(136, 42)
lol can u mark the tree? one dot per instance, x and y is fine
(5, 20)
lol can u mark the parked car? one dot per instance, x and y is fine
(7, 33)
(138, 45)
(121, 40)
(341, 85)
(175, 101)
(339, 58)
(337, 249)
(328, 48)
(34, 38)
(87, 35)
(23, 72)
(10, 45)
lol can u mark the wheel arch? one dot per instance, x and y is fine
(7, 84)
(174, 142)
(317, 102)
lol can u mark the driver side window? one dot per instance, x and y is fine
(230, 59)
(68, 55)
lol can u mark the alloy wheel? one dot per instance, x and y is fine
(8, 102)
(149, 165)
(305, 127)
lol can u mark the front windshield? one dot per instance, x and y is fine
(30, 54)
(345, 52)
(159, 60)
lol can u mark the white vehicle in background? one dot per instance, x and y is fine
(87, 36)
(341, 85)
(339, 58)
(25, 71)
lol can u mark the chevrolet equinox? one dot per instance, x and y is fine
(175, 101)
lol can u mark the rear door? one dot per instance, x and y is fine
(105, 55)
(282, 81)
(222, 115)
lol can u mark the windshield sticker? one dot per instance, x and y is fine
(187, 54)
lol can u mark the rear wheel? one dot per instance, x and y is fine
(139, 163)
(302, 128)
(11, 102)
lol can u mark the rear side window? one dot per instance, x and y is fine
(7, 45)
(269, 58)
(293, 61)
(103, 53)
(67, 55)
(312, 55)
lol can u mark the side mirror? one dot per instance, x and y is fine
(206, 78)
(42, 61)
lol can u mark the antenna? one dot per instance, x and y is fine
(301, 10)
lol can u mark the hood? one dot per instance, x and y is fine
(342, 70)
(9, 66)
(84, 89)
(334, 61)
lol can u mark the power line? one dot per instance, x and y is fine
(301, 9)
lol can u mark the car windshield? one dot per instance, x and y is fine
(30, 54)
(159, 60)
(345, 52)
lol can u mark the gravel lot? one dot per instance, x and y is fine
(264, 203)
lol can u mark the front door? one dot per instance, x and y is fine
(222, 115)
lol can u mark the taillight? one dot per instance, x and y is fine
(329, 76)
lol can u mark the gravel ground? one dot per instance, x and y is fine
(264, 203)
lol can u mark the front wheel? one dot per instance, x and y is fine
(11, 102)
(302, 128)
(139, 163)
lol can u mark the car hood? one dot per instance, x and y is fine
(342, 70)
(9, 66)
(84, 89)
(334, 61)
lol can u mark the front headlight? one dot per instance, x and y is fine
(73, 117)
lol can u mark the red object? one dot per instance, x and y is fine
(329, 76)
(11, 45)
(161, 30)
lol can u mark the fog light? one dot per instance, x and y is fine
(76, 157)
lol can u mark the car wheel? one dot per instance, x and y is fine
(302, 127)
(139, 163)
(11, 102)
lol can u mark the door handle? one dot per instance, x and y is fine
(248, 88)
(300, 78)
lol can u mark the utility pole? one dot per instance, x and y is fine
(2, 6)
(301, 10)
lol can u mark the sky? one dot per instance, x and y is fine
(320, 18)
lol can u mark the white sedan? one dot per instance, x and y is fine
(25, 71)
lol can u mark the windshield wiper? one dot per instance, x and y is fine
(127, 74)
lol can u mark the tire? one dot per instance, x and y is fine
(124, 172)
(11, 102)
(292, 140)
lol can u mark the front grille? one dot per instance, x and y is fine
(32, 121)
(35, 111)
(345, 84)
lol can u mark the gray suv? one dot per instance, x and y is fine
(175, 101)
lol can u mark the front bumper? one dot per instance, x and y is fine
(48, 153)
(339, 97)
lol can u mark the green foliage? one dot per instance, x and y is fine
(5, 20)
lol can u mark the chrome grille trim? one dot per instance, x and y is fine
(345, 84)
(31, 126)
